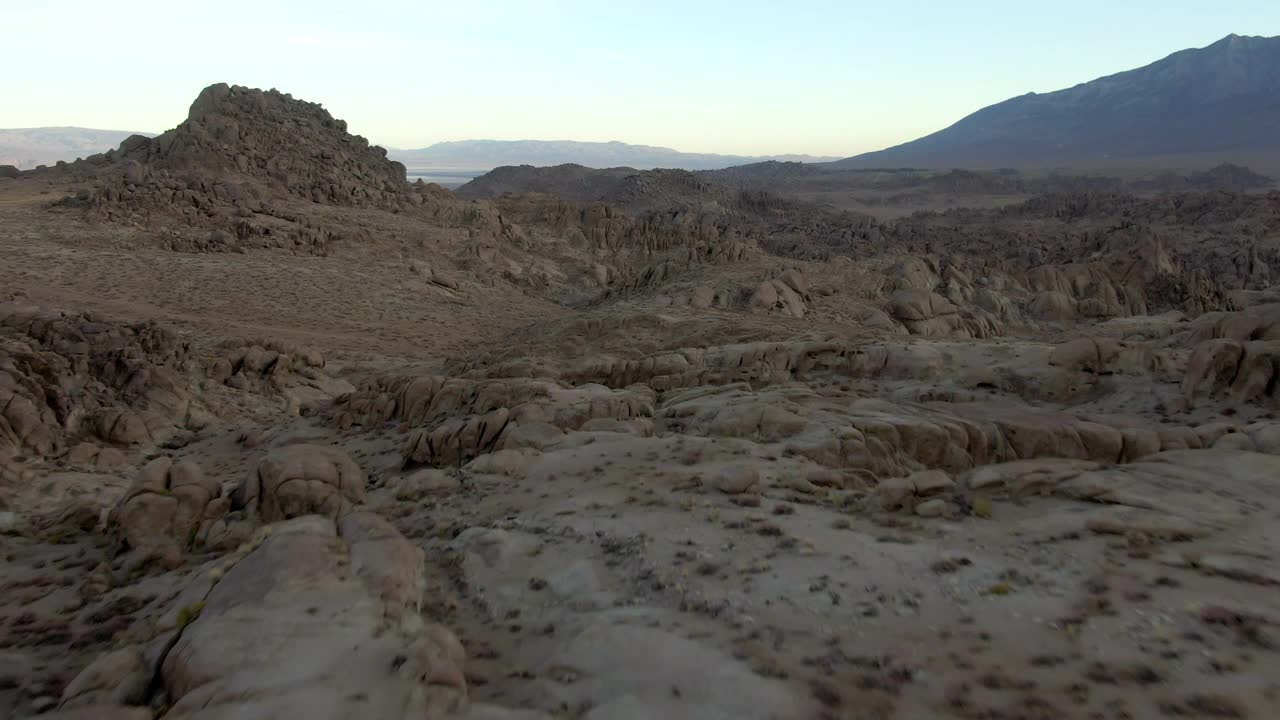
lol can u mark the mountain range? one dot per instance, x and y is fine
(26, 148)
(489, 154)
(1194, 108)
(1211, 104)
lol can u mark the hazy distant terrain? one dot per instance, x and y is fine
(1195, 108)
(446, 163)
(28, 147)
(489, 154)
(877, 192)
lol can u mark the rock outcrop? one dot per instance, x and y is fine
(230, 175)
(64, 377)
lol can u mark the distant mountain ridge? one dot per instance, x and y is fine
(489, 154)
(26, 148)
(1222, 101)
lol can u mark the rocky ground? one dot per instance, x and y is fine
(284, 436)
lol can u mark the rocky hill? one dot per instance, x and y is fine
(275, 142)
(234, 170)
(1221, 100)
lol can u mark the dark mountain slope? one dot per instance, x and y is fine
(1224, 99)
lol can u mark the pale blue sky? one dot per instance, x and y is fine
(737, 76)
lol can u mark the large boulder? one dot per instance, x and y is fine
(302, 479)
(317, 621)
(795, 280)
(778, 296)
(915, 273)
(919, 305)
(167, 507)
(997, 304)
(1053, 306)
(456, 441)
(927, 313)
(121, 677)
(1258, 368)
(1212, 367)
(1090, 355)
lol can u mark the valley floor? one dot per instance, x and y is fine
(639, 509)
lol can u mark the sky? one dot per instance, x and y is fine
(824, 77)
